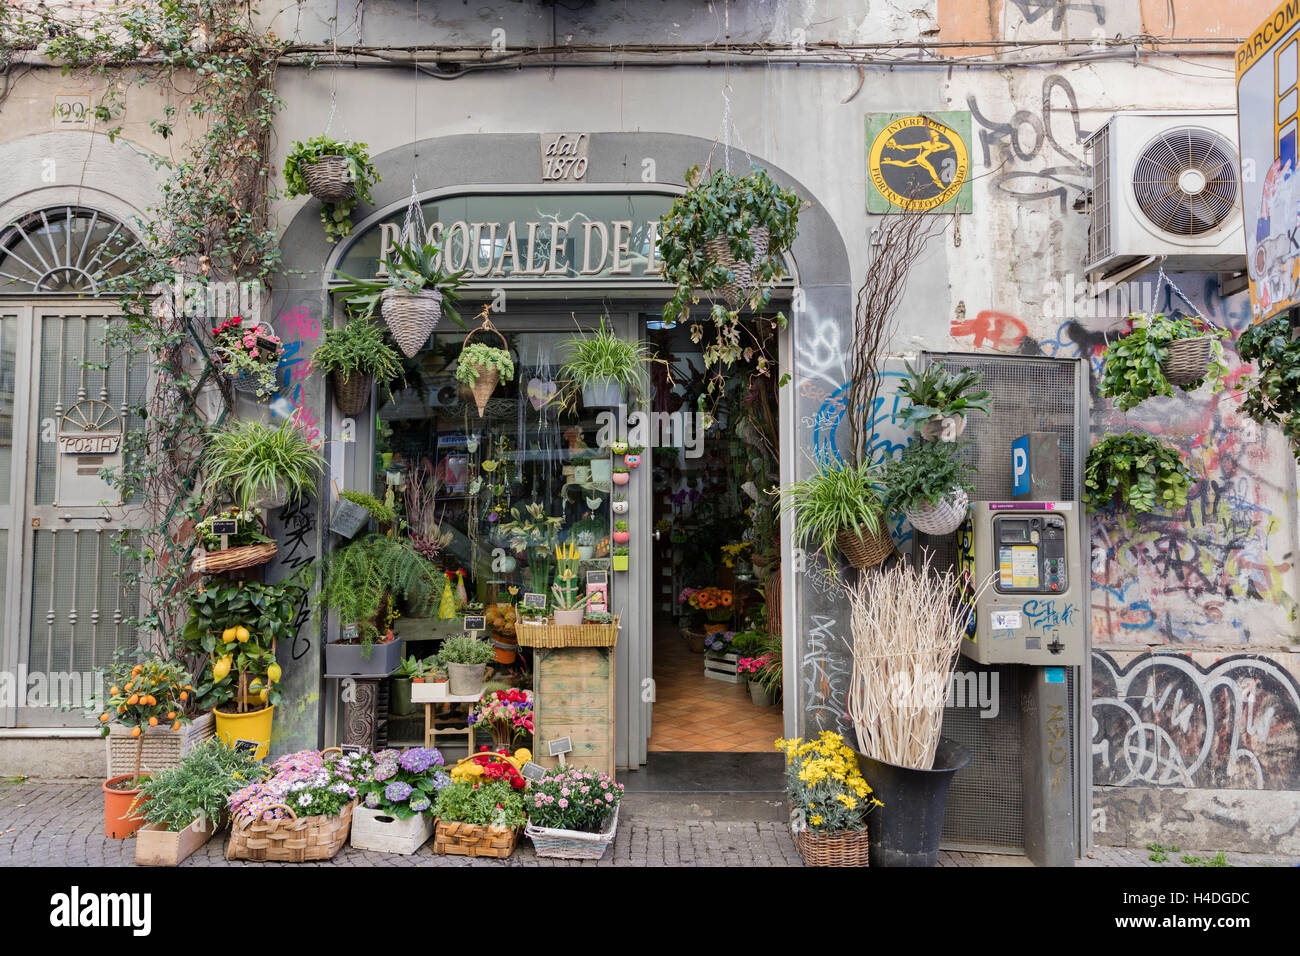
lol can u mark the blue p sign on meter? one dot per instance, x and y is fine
(1020, 467)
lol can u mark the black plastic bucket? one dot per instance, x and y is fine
(907, 829)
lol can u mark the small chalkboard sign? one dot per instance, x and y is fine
(243, 746)
(352, 750)
(476, 623)
(560, 745)
(349, 632)
(533, 771)
(534, 600)
(225, 526)
(597, 577)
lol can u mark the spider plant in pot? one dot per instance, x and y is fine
(601, 366)
(264, 466)
(355, 356)
(336, 172)
(1160, 352)
(412, 294)
(941, 400)
(931, 484)
(840, 507)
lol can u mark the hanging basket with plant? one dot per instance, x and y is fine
(1160, 352)
(727, 235)
(1272, 394)
(940, 400)
(264, 466)
(930, 484)
(1137, 472)
(840, 507)
(248, 354)
(483, 367)
(336, 172)
(355, 356)
(411, 298)
(248, 547)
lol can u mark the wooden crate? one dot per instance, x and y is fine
(722, 667)
(155, 846)
(573, 696)
(375, 830)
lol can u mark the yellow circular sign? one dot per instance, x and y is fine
(918, 163)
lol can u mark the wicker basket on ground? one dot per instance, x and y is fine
(837, 848)
(471, 839)
(573, 844)
(329, 179)
(291, 839)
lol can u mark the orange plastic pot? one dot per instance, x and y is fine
(117, 804)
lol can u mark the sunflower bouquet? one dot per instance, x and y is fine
(827, 791)
(715, 603)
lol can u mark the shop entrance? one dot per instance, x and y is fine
(715, 553)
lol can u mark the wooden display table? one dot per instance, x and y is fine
(431, 695)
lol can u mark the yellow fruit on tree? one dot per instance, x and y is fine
(242, 635)
(221, 668)
(228, 635)
(265, 695)
(273, 673)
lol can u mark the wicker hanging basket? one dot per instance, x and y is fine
(1187, 360)
(411, 316)
(488, 379)
(351, 392)
(942, 518)
(864, 548)
(836, 848)
(329, 179)
(743, 272)
(232, 559)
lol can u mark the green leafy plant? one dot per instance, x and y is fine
(723, 205)
(601, 357)
(249, 530)
(1132, 372)
(253, 460)
(362, 580)
(476, 358)
(197, 787)
(358, 348)
(336, 216)
(927, 472)
(938, 393)
(411, 268)
(1160, 852)
(837, 498)
(485, 803)
(749, 643)
(621, 550)
(463, 649)
(1138, 471)
(381, 512)
(1272, 393)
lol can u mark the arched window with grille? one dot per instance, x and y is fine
(64, 250)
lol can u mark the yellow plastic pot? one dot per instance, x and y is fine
(254, 725)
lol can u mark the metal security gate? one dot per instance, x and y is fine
(65, 409)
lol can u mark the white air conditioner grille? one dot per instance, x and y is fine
(1099, 225)
(1185, 181)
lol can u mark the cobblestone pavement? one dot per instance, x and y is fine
(60, 823)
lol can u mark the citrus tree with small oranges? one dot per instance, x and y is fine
(148, 693)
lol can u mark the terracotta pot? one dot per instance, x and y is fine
(117, 804)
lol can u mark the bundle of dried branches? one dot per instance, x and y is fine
(908, 624)
(421, 505)
(897, 243)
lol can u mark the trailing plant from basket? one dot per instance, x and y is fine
(310, 783)
(601, 356)
(723, 205)
(358, 348)
(254, 460)
(335, 216)
(926, 474)
(147, 691)
(199, 787)
(486, 803)
(463, 649)
(476, 359)
(1272, 393)
(573, 799)
(401, 783)
(248, 525)
(838, 497)
(936, 392)
(363, 578)
(1139, 472)
(410, 268)
(252, 350)
(826, 790)
(1132, 371)
(384, 514)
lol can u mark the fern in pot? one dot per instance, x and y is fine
(1158, 353)
(336, 172)
(412, 294)
(1136, 472)
(841, 507)
(931, 484)
(264, 466)
(355, 356)
(602, 367)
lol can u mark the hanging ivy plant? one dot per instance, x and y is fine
(1133, 370)
(1272, 393)
(726, 206)
(1139, 472)
(336, 216)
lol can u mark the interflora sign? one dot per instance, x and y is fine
(1268, 108)
(920, 161)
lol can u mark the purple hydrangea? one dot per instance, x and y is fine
(397, 791)
(372, 800)
(385, 771)
(440, 780)
(419, 759)
(420, 803)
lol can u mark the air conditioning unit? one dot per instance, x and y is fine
(1166, 185)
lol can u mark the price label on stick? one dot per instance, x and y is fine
(478, 623)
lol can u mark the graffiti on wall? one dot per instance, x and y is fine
(1035, 10)
(1164, 720)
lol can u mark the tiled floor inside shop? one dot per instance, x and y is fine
(694, 712)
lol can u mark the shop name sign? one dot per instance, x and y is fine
(540, 249)
(83, 444)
